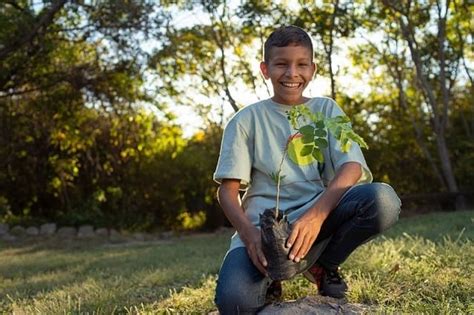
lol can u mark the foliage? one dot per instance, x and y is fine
(422, 265)
(77, 145)
(316, 128)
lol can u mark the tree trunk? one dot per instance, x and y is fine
(439, 104)
(447, 170)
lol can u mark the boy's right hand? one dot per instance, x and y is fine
(253, 242)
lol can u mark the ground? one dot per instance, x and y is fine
(423, 265)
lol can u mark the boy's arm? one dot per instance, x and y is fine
(228, 196)
(307, 227)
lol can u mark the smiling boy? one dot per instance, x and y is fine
(333, 211)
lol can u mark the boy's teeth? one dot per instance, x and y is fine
(291, 84)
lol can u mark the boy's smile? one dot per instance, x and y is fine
(290, 69)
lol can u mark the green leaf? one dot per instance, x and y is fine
(307, 149)
(307, 139)
(320, 133)
(320, 124)
(342, 119)
(307, 130)
(337, 133)
(318, 155)
(357, 139)
(321, 143)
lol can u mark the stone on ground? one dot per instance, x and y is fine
(85, 231)
(32, 231)
(18, 230)
(3, 228)
(67, 231)
(314, 305)
(48, 229)
(102, 232)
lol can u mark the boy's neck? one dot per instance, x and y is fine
(301, 101)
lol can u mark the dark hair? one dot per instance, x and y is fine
(286, 36)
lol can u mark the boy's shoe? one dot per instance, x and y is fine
(329, 282)
(274, 291)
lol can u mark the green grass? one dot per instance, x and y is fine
(424, 264)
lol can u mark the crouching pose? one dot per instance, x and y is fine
(333, 209)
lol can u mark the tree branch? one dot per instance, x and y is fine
(46, 17)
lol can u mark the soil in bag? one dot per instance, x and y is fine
(275, 231)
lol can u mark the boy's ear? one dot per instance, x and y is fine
(264, 69)
(314, 69)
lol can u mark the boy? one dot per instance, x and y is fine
(336, 210)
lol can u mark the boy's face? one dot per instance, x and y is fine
(290, 69)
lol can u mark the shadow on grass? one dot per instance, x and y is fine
(130, 275)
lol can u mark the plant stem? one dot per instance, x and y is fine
(279, 177)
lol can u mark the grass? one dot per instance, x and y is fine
(425, 265)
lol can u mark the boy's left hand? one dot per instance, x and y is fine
(304, 232)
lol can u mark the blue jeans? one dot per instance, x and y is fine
(365, 211)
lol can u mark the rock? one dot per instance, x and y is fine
(48, 229)
(315, 305)
(4, 228)
(18, 230)
(138, 237)
(150, 237)
(102, 232)
(67, 231)
(32, 231)
(116, 237)
(167, 234)
(85, 231)
(7, 237)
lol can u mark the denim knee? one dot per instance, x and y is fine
(387, 205)
(234, 299)
(240, 287)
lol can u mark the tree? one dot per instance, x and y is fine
(423, 39)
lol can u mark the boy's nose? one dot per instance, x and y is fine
(291, 71)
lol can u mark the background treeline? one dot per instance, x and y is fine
(87, 88)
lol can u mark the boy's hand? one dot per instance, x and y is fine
(306, 229)
(253, 242)
(304, 232)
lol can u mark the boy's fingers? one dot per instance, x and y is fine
(258, 260)
(304, 247)
(292, 238)
(259, 266)
(296, 246)
(261, 257)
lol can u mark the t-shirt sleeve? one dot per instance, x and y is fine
(235, 158)
(338, 158)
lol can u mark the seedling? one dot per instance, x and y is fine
(314, 128)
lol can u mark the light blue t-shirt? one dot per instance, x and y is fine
(253, 146)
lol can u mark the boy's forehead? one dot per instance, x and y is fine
(290, 51)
